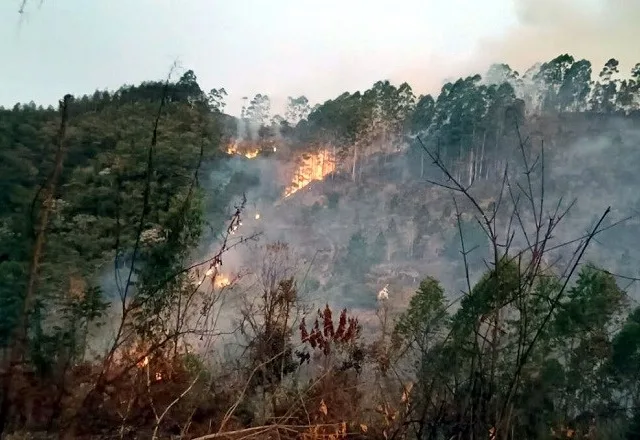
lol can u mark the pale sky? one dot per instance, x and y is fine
(292, 47)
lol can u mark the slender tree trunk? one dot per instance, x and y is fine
(355, 159)
(471, 166)
(335, 161)
(481, 162)
(497, 146)
(472, 162)
(18, 345)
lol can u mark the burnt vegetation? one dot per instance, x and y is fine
(119, 317)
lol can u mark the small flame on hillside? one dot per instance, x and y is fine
(222, 281)
(249, 153)
(314, 166)
(144, 362)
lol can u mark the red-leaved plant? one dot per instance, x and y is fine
(325, 336)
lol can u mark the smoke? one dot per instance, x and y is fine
(599, 170)
(526, 31)
(595, 30)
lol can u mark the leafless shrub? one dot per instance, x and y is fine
(520, 212)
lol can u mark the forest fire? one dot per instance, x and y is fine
(314, 166)
(144, 362)
(236, 149)
(221, 281)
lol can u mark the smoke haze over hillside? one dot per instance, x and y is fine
(596, 30)
(593, 29)
(353, 44)
(403, 220)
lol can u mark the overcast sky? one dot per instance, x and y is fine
(293, 47)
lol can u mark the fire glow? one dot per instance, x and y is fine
(249, 153)
(221, 281)
(313, 166)
(144, 362)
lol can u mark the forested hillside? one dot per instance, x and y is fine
(161, 262)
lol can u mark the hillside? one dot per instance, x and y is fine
(161, 262)
(409, 224)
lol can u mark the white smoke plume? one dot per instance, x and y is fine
(596, 30)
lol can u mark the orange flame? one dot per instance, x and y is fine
(248, 153)
(314, 166)
(144, 362)
(222, 281)
(219, 280)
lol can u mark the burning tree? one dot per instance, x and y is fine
(312, 166)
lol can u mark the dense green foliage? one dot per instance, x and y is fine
(124, 187)
(579, 375)
(471, 119)
(137, 195)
